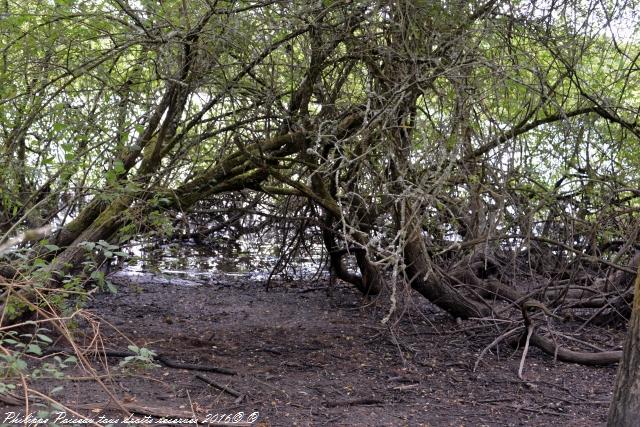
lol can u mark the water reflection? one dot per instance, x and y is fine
(198, 262)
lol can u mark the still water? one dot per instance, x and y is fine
(194, 262)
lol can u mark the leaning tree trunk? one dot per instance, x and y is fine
(434, 288)
(625, 408)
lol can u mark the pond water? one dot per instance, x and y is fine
(195, 262)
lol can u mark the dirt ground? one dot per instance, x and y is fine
(304, 357)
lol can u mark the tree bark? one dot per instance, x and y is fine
(625, 407)
(436, 289)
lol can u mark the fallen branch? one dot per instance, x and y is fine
(353, 402)
(205, 368)
(219, 386)
(320, 288)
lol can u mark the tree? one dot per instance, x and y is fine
(471, 152)
(625, 407)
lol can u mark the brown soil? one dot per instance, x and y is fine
(304, 357)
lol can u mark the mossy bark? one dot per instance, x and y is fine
(103, 227)
(71, 231)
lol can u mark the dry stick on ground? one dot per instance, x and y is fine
(206, 368)
(353, 402)
(586, 343)
(164, 359)
(224, 388)
(528, 323)
(494, 343)
(560, 353)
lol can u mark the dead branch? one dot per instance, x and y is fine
(219, 386)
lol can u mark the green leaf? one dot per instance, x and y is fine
(88, 245)
(98, 276)
(111, 287)
(44, 338)
(35, 349)
(118, 167)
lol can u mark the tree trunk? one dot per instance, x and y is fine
(625, 407)
(434, 288)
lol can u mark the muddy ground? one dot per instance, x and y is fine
(304, 357)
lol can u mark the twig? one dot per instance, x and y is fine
(353, 402)
(526, 350)
(224, 388)
(205, 368)
(307, 290)
(588, 344)
(494, 343)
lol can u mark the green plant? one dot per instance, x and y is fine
(12, 364)
(105, 250)
(13, 358)
(6, 388)
(13, 351)
(143, 358)
(54, 370)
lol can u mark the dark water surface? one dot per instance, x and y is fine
(193, 263)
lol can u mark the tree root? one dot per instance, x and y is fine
(580, 357)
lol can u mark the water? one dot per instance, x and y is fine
(189, 263)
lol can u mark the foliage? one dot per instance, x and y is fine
(441, 147)
(143, 358)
